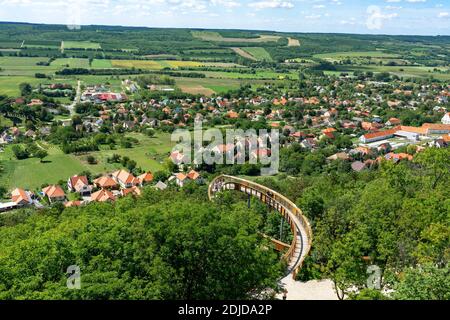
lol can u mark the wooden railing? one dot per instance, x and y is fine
(279, 202)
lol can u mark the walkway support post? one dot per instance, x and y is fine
(300, 226)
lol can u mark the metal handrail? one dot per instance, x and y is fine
(288, 206)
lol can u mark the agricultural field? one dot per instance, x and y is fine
(215, 36)
(208, 86)
(80, 45)
(337, 56)
(24, 66)
(71, 63)
(161, 64)
(10, 44)
(9, 86)
(41, 44)
(101, 64)
(258, 53)
(402, 71)
(293, 42)
(260, 74)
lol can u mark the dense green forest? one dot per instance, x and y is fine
(164, 245)
(125, 42)
(396, 217)
(176, 244)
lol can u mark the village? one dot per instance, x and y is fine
(359, 127)
(107, 188)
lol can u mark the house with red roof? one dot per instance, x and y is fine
(106, 182)
(70, 204)
(79, 184)
(135, 191)
(145, 178)
(21, 197)
(103, 196)
(181, 178)
(125, 179)
(54, 193)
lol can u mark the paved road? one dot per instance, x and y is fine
(76, 101)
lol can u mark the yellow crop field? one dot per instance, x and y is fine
(138, 64)
(154, 64)
(178, 64)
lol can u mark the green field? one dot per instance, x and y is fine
(149, 154)
(208, 86)
(259, 53)
(401, 71)
(101, 64)
(71, 63)
(81, 45)
(259, 75)
(10, 85)
(355, 54)
(31, 174)
(24, 66)
(215, 36)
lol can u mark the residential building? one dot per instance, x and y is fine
(133, 191)
(106, 182)
(125, 179)
(54, 193)
(446, 118)
(21, 197)
(103, 196)
(145, 178)
(79, 184)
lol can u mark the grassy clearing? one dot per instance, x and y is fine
(31, 174)
(150, 154)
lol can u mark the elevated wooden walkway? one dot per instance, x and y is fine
(301, 229)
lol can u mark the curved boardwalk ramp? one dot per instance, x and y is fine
(301, 229)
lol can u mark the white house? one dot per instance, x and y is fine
(446, 118)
